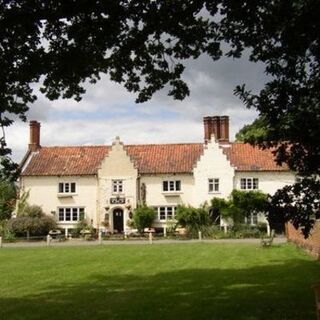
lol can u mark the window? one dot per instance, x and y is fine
(165, 213)
(171, 185)
(67, 187)
(249, 183)
(213, 185)
(71, 214)
(252, 219)
(117, 186)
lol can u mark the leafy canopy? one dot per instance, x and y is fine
(241, 204)
(144, 44)
(143, 217)
(7, 199)
(256, 131)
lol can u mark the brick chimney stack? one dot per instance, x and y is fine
(217, 126)
(34, 144)
(224, 128)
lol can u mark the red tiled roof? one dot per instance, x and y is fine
(248, 158)
(165, 158)
(153, 158)
(59, 161)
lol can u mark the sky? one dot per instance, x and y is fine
(107, 110)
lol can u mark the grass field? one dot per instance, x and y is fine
(178, 281)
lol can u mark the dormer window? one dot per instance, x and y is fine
(67, 187)
(117, 186)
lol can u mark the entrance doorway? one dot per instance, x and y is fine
(118, 220)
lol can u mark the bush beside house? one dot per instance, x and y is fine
(143, 217)
(31, 221)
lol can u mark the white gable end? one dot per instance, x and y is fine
(213, 164)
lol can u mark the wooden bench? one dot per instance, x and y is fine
(267, 241)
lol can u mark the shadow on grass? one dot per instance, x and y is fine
(274, 292)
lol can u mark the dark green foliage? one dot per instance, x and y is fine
(33, 211)
(143, 217)
(32, 220)
(144, 46)
(193, 219)
(83, 228)
(256, 131)
(288, 204)
(9, 170)
(240, 205)
(250, 201)
(7, 199)
(227, 209)
(36, 226)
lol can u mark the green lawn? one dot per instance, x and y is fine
(178, 281)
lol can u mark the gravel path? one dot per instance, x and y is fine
(77, 242)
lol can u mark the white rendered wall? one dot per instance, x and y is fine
(269, 182)
(154, 189)
(44, 192)
(117, 165)
(212, 164)
(155, 197)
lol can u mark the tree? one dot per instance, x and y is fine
(193, 219)
(143, 45)
(250, 202)
(7, 199)
(227, 209)
(253, 132)
(241, 205)
(33, 221)
(143, 217)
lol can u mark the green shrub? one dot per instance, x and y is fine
(249, 202)
(5, 233)
(8, 236)
(143, 217)
(7, 199)
(262, 227)
(171, 228)
(82, 228)
(193, 219)
(36, 226)
(246, 231)
(33, 211)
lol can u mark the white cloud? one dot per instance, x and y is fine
(108, 110)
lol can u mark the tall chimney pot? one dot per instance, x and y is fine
(224, 128)
(34, 143)
(217, 126)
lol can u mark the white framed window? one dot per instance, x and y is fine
(252, 219)
(171, 185)
(249, 183)
(70, 214)
(67, 187)
(213, 185)
(165, 213)
(117, 186)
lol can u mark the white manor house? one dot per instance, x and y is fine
(105, 183)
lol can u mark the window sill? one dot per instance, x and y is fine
(68, 222)
(66, 195)
(172, 193)
(214, 192)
